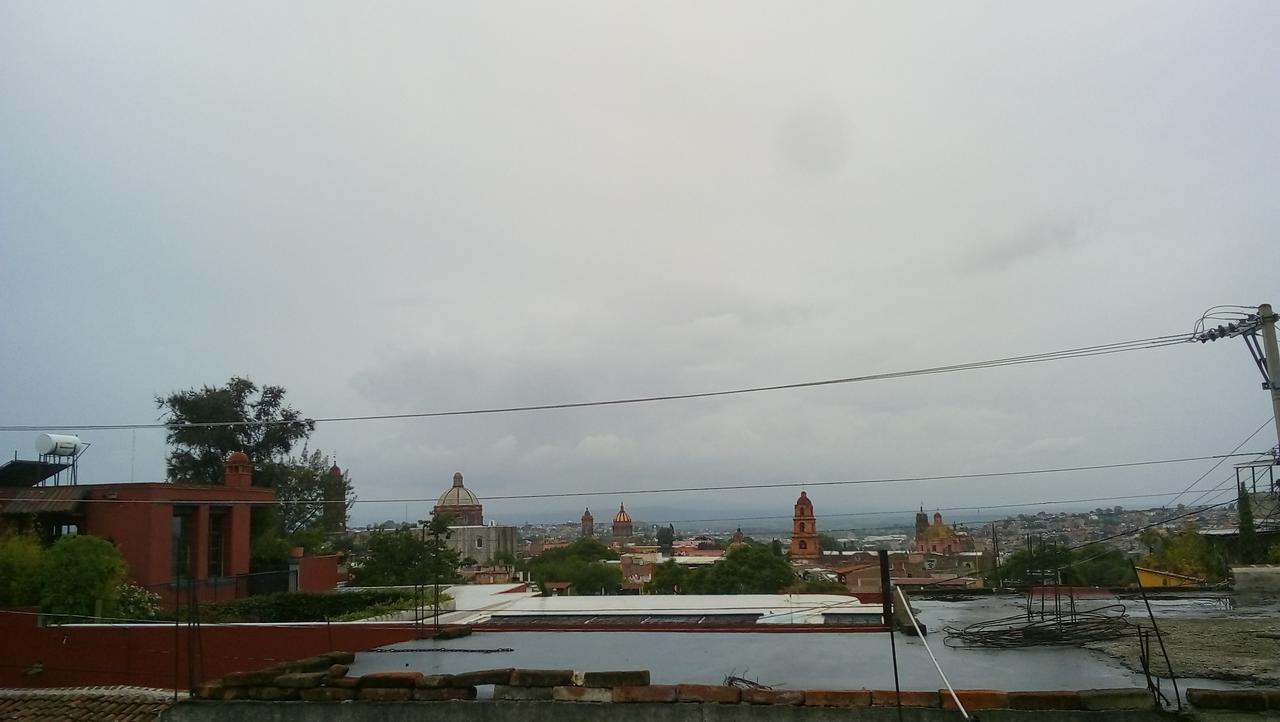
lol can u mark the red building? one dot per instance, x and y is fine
(804, 531)
(622, 527)
(164, 531)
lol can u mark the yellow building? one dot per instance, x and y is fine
(1156, 578)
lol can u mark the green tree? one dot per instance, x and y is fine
(666, 538)
(749, 569)
(301, 483)
(817, 586)
(826, 542)
(775, 546)
(198, 451)
(580, 564)
(406, 556)
(21, 561)
(668, 578)
(1098, 566)
(1249, 550)
(81, 576)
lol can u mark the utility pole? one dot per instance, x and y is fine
(1272, 353)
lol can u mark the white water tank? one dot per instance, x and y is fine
(58, 445)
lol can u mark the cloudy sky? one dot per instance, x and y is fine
(399, 207)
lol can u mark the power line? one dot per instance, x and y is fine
(1081, 352)
(1247, 439)
(670, 490)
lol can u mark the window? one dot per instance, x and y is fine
(479, 542)
(180, 540)
(803, 545)
(217, 542)
(801, 526)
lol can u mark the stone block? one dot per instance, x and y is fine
(506, 691)
(837, 698)
(430, 681)
(484, 676)
(210, 690)
(386, 694)
(1273, 698)
(339, 670)
(327, 694)
(1127, 698)
(452, 633)
(582, 694)
(1044, 700)
(772, 696)
(975, 699)
(259, 678)
(273, 694)
(1234, 699)
(635, 678)
(302, 680)
(307, 664)
(889, 698)
(646, 693)
(708, 693)
(541, 677)
(344, 682)
(440, 694)
(231, 693)
(341, 657)
(407, 680)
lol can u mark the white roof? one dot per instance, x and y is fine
(772, 608)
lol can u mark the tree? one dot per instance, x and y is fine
(668, 578)
(1249, 550)
(198, 452)
(666, 538)
(81, 576)
(826, 542)
(580, 565)
(775, 546)
(21, 560)
(748, 569)
(817, 586)
(406, 556)
(301, 483)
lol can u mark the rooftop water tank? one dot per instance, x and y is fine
(58, 445)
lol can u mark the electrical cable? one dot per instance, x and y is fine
(1081, 352)
(1249, 438)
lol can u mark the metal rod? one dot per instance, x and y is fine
(886, 598)
(1159, 638)
(936, 666)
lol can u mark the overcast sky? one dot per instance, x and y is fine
(398, 207)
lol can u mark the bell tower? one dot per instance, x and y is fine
(804, 531)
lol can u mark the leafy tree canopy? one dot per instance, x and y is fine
(81, 575)
(198, 452)
(406, 556)
(749, 569)
(303, 481)
(21, 561)
(580, 564)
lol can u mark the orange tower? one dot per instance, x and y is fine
(804, 531)
(622, 529)
(588, 524)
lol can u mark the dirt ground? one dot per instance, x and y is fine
(1230, 649)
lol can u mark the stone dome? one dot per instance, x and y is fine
(457, 495)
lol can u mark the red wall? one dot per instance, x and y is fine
(144, 655)
(318, 574)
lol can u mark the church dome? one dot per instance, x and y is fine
(457, 495)
(622, 517)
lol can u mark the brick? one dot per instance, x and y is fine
(345, 682)
(837, 698)
(506, 691)
(1273, 698)
(1044, 700)
(440, 694)
(260, 678)
(615, 679)
(386, 694)
(341, 657)
(307, 664)
(582, 694)
(1127, 698)
(327, 694)
(541, 677)
(302, 680)
(484, 676)
(1236, 699)
(889, 698)
(646, 693)
(975, 699)
(339, 670)
(210, 690)
(772, 696)
(273, 694)
(407, 680)
(452, 633)
(708, 693)
(430, 681)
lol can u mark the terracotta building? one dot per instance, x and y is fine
(165, 531)
(622, 529)
(939, 538)
(588, 524)
(459, 501)
(804, 531)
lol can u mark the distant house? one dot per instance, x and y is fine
(1157, 578)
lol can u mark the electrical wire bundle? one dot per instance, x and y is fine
(1064, 628)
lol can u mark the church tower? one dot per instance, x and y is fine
(804, 531)
(588, 525)
(622, 530)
